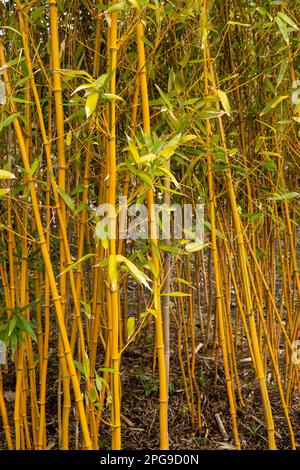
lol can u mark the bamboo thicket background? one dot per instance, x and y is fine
(182, 102)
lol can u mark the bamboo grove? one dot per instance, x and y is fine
(174, 102)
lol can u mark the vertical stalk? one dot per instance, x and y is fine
(113, 311)
(163, 392)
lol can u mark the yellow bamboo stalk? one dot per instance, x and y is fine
(6, 426)
(163, 392)
(218, 284)
(113, 306)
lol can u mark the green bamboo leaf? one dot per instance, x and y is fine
(269, 164)
(165, 98)
(77, 73)
(69, 138)
(171, 249)
(191, 247)
(112, 97)
(82, 205)
(25, 325)
(9, 120)
(170, 147)
(78, 190)
(147, 42)
(136, 4)
(282, 27)
(68, 200)
(79, 366)
(20, 100)
(211, 114)
(153, 268)
(93, 394)
(139, 275)
(100, 381)
(37, 13)
(148, 158)
(11, 29)
(33, 167)
(86, 366)
(238, 23)
(12, 324)
(130, 326)
(275, 102)
(134, 151)
(112, 272)
(117, 7)
(4, 191)
(109, 370)
(87, 310)
(77, 263)
(218, 233)
(14, 341)
(287, 20)
(282, 72)
(254, 217)
(263, 12)
(101, 81)
(224, 100)
(183, 281)
(146, 178)
(82, 87)
(176, 294)
(142, 175)
(91, 103)
(168, 173)
(27, 306)
(283, 197)
(6, 175)
(50, 445)
(187, 138)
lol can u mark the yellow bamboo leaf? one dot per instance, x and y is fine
(134, 151)
(6, 175)
(112, 272)
(224, 100)
(69, 138)
(135, 271)
(130, 326)
(91, 103)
